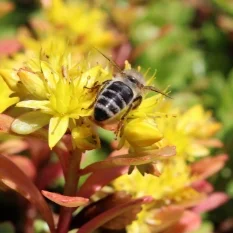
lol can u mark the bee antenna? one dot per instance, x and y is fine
(151, 88)
(110, 60)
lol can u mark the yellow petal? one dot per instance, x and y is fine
(197, 150)
(142, 132)
(29, 122)
(61, 97)
(36, 104)
(7, 103)
(33, 83)
(5, 92)
(50, 77)
(11, 78)
(57, 128)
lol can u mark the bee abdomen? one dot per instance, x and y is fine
(124, 92)
(101, 113)
(105, 108)
(112, 100)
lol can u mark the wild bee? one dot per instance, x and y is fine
(120, 95)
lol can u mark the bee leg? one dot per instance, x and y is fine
(136, 102)
(151, 88)
(97, 86)
(103, 84)
(94, 87)
(121, 123)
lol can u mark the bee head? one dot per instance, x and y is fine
(134, 78)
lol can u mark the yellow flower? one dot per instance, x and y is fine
(173, 186)
(198, 123)
(175, 175)
(8, 71)
(57, 92)
(187, 131)
(5, 93)
(84, 27)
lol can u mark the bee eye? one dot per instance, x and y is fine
(132, 79)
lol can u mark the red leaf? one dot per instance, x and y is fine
(66, 201)
(203, 186)
(99, 179)
(212, 142)
(13, 146)
(9, 46)
(105, 217)
(189, 222)
(5, 123)
(14, 178)
(211, 202)
(208, 166)
(39, 150)
(25, 165)
(48, 175)
(129, 159)
(167, 216)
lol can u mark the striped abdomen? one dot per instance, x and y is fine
(112, 100)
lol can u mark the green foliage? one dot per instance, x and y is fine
(206, 227)
(173, 52)
(6, 227)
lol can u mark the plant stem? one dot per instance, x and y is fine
(70, 190)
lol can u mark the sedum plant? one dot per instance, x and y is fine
(153, 178)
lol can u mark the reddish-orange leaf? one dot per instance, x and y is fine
(130, 159)
(208, 166)
(48, 175)
(39, 150)
(14, 178)
(9, 46)
(105, 217)
(167, 216)
(13, 146)
(99, 179)
(203, 186)
(189, 222)
(24, 164)
(211, 202)
(5, 123)
(66, 201)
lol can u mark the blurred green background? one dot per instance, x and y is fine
(190, 43)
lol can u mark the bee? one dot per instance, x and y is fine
(120, 95)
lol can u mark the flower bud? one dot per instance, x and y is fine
(85, 138)
(142, 132)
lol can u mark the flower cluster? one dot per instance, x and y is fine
(79, 24)
(174, 190)
(57, 88)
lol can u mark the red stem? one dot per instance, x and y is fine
(70, 190)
